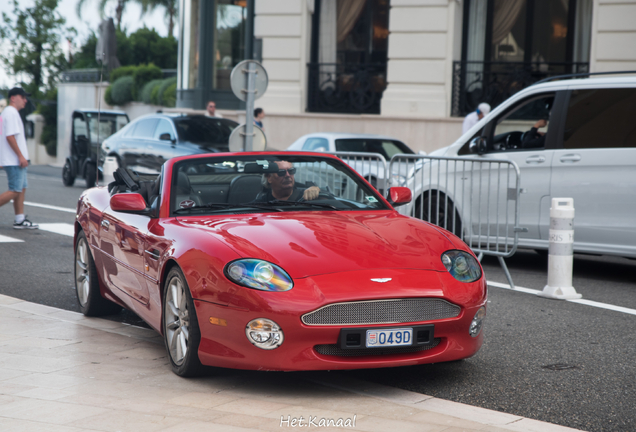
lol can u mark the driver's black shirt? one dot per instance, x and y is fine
(533, 139)
(267, 196)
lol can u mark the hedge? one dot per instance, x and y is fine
(146, 92)
(162, 88)
(122, 90)
(142, 75)
(122, 71)
(142, 83)
(170, 95)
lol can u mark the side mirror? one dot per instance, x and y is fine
(128, 203)
(167, 137)
(398, 196)
(478, 145)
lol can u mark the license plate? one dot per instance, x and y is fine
(392, 337)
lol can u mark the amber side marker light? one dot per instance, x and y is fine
(218, 321)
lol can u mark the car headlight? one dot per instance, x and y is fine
(264, 333)
(462, 265)
(258, 274)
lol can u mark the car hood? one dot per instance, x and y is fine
(313, 243)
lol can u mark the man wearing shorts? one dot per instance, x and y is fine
(14, 156)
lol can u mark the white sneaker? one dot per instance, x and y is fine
(25, 224)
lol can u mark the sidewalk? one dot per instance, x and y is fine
(63, 372)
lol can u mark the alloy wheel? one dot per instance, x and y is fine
(177, 321)
(82, 275)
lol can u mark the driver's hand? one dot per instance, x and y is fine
(541, 123)
(311, 193)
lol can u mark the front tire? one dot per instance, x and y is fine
(181, 332)
(90, 300)
(442, 216)
(67, 174)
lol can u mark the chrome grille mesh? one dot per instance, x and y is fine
(335, 350)
(382, 312)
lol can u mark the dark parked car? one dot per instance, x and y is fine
(86, 137)
(147, 142)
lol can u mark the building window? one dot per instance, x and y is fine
(349, 56)
(510, 44)
(229, 40)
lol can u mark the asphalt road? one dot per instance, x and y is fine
(550, 360)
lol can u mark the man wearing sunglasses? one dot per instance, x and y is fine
(281, 186)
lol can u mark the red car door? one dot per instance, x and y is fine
(122, 241)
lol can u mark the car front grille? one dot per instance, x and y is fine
(335, 350)
(382, 312)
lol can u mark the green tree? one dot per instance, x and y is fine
(148, 47)
(85, 57)
(33, 37)
(169, 5)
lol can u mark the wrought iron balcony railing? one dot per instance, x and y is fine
(346, 87)
(494, 82)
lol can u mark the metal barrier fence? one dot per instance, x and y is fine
(372, 166)
(476, 199)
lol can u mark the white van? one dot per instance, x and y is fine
(572, 138)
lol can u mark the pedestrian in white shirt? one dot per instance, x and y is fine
(211, 110)
(14, 156)
(472, 118)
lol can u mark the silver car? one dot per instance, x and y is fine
(372, 171)
(571, 139)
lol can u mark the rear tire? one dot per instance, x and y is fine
(67, 174)
(442, 217)
(90, 300)
(181, 332)
(90, 175)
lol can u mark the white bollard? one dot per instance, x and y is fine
(560, 253)
(110, 165)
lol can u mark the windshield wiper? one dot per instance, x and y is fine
(303, 203)
(225, 206)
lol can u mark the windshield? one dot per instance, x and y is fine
(268, 183)
(204, 130)
(387, 148)
(108, 125)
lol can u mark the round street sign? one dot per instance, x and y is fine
(237, 139)
(238, 79)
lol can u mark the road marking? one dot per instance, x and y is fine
(579, 301)
(50, 207)
(59, 228)
(5, 239)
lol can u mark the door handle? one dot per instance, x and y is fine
(535, 159)
(105, 225)
(570, 158)
(154, 254)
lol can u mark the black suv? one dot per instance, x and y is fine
(146, 143)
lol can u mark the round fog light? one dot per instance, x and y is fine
(478, 322)
(264, 333)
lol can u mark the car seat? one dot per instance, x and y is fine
(244, 189)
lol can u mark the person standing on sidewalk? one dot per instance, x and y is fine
(14, 156)
(259, 115)
(472, 118)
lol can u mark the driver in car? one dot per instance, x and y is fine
(281, 186)
(533, 138)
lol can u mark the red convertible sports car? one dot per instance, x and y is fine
(276, 261)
